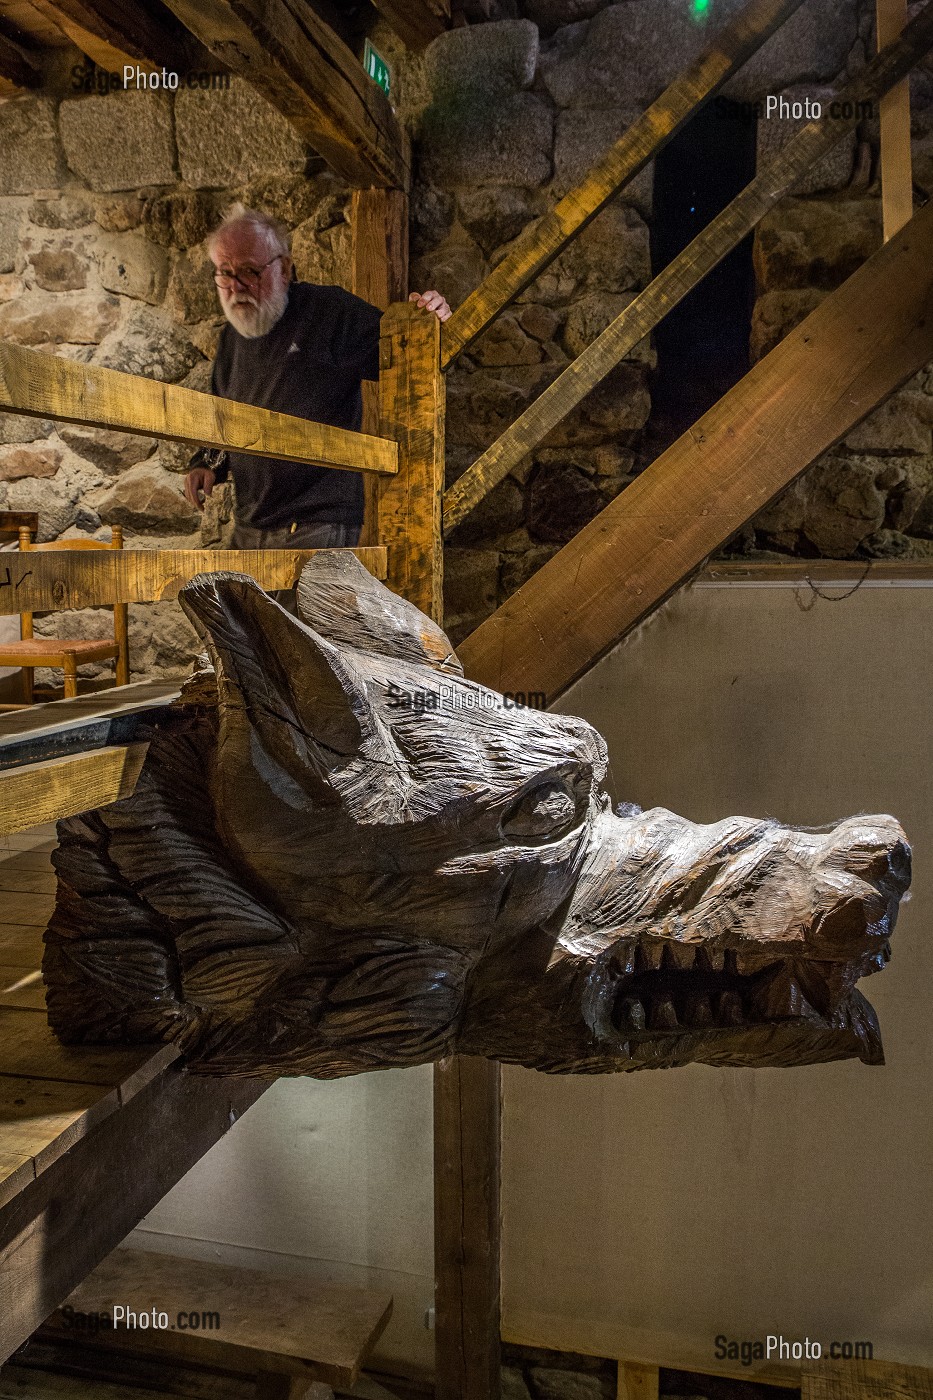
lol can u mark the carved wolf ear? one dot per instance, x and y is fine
(342, 601)
(277, 679)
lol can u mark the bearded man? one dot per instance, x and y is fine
(299, 348)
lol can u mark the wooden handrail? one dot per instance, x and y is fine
(776, 177)
(859, 345)
(49, 386)
(535, 249)
(75, 579)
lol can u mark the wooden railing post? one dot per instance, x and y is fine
(466, 1090)
(379, 274)
(411, 410)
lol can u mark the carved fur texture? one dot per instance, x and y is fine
(343, 856)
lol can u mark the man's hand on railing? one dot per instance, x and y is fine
(199, 479)
(433, 301)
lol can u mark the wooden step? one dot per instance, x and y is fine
(241, 1319)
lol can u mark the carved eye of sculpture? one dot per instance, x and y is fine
(546, 811)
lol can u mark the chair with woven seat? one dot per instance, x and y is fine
(31, 652)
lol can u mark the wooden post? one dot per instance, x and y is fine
(466, 1090)
(897, 192)
(379, 273)
(467, 1132)
(411, 410)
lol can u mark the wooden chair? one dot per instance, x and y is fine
(30, 651)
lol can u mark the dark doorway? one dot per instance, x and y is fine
(702, 344)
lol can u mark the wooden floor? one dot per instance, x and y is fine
(90, 1138)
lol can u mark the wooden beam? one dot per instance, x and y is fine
(63, 578)
(49, 386)
(857, 1379)
(306, 71)
(379, 274)
(115, 32)
(412, 402)
(537, 247)
(897, 186)
(416, 22)
(61, 787)
(637, 1382)
(132, 1149)
(16, 70)
(772, 182)
(467, 1131)
(856, 348)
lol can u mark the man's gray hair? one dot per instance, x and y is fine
(272, 231)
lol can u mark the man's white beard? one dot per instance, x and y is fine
(252, 320)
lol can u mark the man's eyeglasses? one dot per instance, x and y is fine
(246, 276)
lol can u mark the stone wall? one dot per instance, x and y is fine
(104, 205)
(105, 201)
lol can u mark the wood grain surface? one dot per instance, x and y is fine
(291, 1325)
(49, 386)
(66, 579)
(412, 412)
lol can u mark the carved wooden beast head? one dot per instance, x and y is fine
(343, 856)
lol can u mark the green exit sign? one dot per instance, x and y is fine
(376, 67)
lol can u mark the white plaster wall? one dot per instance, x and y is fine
(644, 1214)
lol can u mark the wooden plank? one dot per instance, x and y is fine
(30, 1050)
(467, 1132)
(56, 1229)
(300, 65)
(725, 232)
(637, 1382)
(115, 32)
(897, 185)
(119, 715)
(412, 405)
(416, 22)
(49, 386)
(26, 908)
(864, 1380)
(535, 249)
(295, 1326)
(40, 1119)
(65, 579)
(857, 347)
(62, 787)
(379, 274)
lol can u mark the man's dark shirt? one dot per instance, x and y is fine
(310, 364)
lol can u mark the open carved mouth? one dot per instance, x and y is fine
(664, 987)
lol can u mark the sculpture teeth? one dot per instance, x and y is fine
(632, 1014)
(729, 1009)
(746, 963)
(699, 1012)
(709, 959)
(649, 957)
(678, 956)
(625, 958)
(730, 962)
(663, 1015)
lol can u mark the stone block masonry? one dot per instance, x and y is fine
(105, 200)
